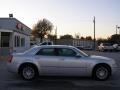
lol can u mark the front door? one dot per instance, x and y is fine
(70, 64)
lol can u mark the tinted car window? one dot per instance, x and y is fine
(66, 52)
(46, 52)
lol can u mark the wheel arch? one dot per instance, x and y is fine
(102, 64)
(27, 63)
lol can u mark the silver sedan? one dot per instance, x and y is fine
(60, 60)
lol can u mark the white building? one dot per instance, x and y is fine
(85, 44)
(14, 35)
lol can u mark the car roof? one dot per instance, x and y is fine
(55, 46)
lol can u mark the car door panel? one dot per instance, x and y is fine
(48, 65)
(70, 63)
(48, 61)
(72, 66)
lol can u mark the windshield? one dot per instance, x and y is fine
(81, 52)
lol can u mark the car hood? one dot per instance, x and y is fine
(100, 57)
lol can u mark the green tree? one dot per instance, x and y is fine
(67, 36)
(42, 28)
(101, 40)
(114, 39)
(88, 38)
(82, 38)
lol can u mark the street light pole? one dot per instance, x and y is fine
(94, 33)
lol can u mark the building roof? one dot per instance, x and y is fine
(14, 25)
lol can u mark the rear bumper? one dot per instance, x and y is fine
(11, 68)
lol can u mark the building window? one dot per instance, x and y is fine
(17, 41)
(22, 42)
(5, 38)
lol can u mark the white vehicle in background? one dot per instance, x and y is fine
(106, 47)
(118, 48)
(46, 43)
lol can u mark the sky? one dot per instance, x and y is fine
(69, 16)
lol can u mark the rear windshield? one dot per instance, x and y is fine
(31, 51)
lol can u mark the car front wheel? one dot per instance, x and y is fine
(101, 73)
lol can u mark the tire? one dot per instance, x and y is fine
(28, 72)
(101, 72)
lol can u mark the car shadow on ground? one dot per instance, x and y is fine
(46, 82)
(58, 83)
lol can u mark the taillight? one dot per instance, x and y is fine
(10, 59)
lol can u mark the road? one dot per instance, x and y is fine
(9, 81)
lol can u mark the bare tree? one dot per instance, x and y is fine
(42, 28)
(88, 38)
(77, 35)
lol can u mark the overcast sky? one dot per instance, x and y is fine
(70, 16)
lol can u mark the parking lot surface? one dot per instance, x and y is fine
(9, 81)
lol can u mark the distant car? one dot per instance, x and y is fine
(105, 47)
(80, 47)
(118, 47)
(84, 47)
(60, 60)
(43, 43)
(46, 43)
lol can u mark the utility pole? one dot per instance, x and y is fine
(56, 35)
(116, 28)
(94, 34)
(119, 30)
(56, 31)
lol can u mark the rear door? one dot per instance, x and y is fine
(48, 61)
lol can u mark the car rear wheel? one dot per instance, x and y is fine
(28, 72)
(101, 73)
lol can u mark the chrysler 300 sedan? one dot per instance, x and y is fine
(60, 60)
